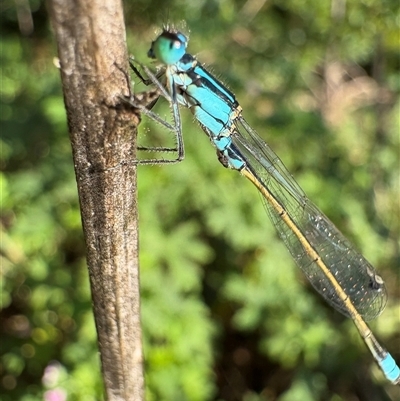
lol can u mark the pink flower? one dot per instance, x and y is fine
(57, 394)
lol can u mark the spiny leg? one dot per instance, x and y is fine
(144, 102)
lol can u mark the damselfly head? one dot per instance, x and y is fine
(169, 47)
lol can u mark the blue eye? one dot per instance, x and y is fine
(169, 47)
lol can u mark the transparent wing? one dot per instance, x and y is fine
(350, 269)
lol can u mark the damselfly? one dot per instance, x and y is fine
(336, 270)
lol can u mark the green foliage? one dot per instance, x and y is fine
(226, 314)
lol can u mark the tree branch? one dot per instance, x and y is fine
(93, 58)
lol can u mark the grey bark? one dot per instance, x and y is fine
(92, 51)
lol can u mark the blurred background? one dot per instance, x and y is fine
(226, 313)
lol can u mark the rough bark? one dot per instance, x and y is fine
(90, 37)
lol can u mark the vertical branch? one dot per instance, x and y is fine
(92, 52)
